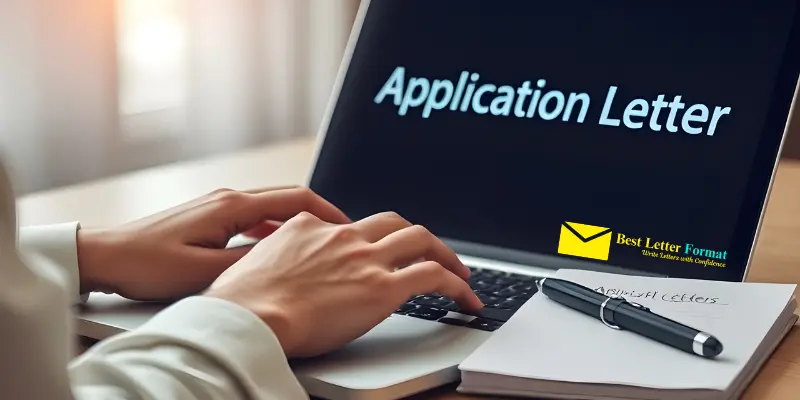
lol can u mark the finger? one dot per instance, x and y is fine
(263, 230)
(179, 208)
(270, 189)
(209, 197)
(220, 259)
(281, 205)
(411, 244)
(207, 264)
(242, 211)
(431, 277)
(376, 227)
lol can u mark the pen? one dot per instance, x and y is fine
(618, 313)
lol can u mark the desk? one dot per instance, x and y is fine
(138, 194)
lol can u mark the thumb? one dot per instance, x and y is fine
(218, 260)
(262, 230)
(246, 211)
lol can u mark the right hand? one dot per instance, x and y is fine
(320, 285)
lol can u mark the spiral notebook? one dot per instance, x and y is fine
(548, 350)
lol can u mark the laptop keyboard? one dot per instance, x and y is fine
(502, 294)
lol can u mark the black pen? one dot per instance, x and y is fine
(618, 313)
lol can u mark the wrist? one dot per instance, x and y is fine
(274, 317)
(95, 249)
(279, 323)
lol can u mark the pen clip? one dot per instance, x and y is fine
(622, 300)
(603, 311)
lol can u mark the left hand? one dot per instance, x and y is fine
(181, 251)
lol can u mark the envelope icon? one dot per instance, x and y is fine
(587, 241)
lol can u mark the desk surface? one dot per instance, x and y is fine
(138, 194)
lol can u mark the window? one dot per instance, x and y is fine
(151, 53)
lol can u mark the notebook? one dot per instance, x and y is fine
(551, 351)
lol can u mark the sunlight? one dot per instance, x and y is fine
(151, 51)
(154, 44)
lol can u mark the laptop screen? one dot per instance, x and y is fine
(632, 134)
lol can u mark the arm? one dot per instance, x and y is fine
(198, 348)
(214, 346)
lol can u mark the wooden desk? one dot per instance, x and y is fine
(134, 195)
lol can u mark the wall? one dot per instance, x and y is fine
(86, 93)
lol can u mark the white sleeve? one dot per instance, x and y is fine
(58, 243)
(199, 348)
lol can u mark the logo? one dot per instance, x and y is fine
(587, 241)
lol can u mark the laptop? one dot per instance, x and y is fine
(628, 137)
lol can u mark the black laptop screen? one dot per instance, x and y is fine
(634, 134)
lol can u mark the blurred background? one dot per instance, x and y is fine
(93, 88)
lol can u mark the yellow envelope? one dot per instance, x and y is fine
(587, 241)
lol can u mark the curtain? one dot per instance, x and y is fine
(98, 87)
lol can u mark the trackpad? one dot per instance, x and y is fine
(399, 349)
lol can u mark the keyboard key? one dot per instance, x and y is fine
(484, 285)
(435, 302)
(507, 292)
(501, 306)
(513, 304)
(505, 281)
(489, 300)
(484, 292)
(495, 314)
(405, 308)
(502, 293)
(527, 288)
(453, 321)
(428, 313)
(484, 324)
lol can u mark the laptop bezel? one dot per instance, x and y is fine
(517, 260)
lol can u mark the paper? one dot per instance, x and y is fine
(546, 340)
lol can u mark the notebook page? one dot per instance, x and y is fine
(545, 340)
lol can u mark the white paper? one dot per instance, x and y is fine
(545, 340)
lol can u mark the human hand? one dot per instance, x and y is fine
(181, 251)
(319, 285)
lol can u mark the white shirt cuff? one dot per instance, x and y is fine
(58, 243)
